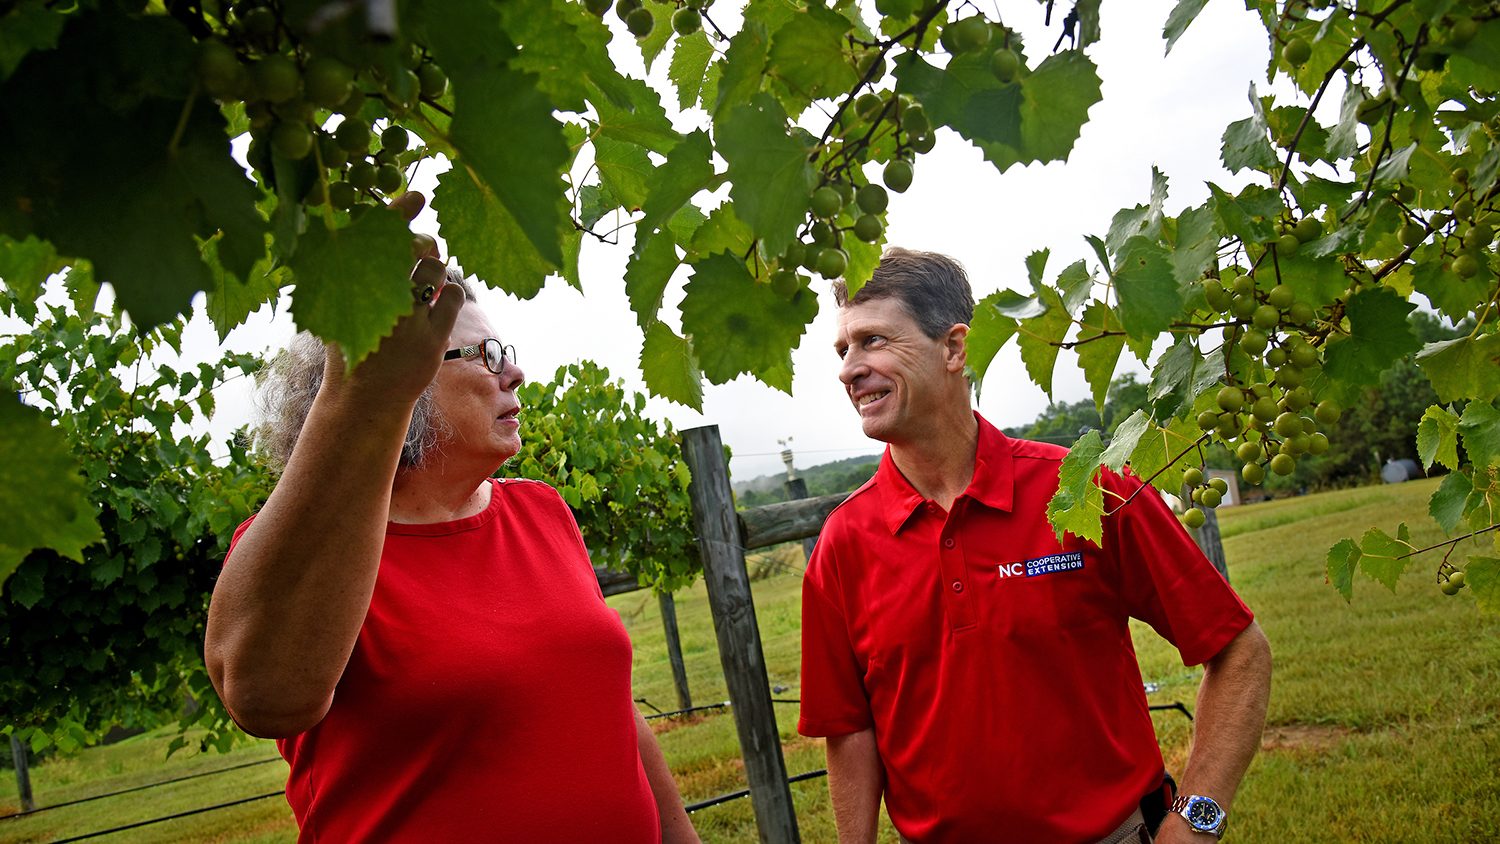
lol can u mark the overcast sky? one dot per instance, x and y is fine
(1168, 112)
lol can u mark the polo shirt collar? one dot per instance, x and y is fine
(993, 484)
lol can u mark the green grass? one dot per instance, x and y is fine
(1384, 718)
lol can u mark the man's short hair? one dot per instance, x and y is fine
(933, 288)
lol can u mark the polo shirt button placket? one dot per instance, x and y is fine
(958, 586)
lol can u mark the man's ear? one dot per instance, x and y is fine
(956, 348)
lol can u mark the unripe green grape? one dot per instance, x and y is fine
(832, 263)
(922, 142)
(793, 255)
(686, 21)
(845, 189)
(1464, 266)
(1242, 306)
(1283, 464)
(915, 122)
(1457, 578)
(1006, 65)
(1412, 234)
(1300, 313)
(1243, 285)
(826, 202)
(1288, 424)
(1192, 476)
(1230, 426)
(385, 156)
(823, 234)
(784, 283)
(868, 105)
(276, 78)
(1215, 294)
(219, 69)
(868, 228)
(1280, 297)
(292, 140)
(1287, 245)
(1405, 192)
(1296, 52)
(1298, 398)
(260, 116)
(1248, 452)
(1208, 420)
(871, 67)
(872, 199)
(1220, 484)
(1289, 378)
(433, 82)
(1479, 236)
(394, 138)
(1308, 229)
(1265, 409)
(362, 175)
(388, 178)
(353, 135)
(1230, 398)
(1252, 473)
(1212, 497)
(1317, 443)
(810, 257)
(597, 8)
(1461, 177)
(623, 8)
(1254, 342)
(897, 175)
(1448, 588)
(1463, 30)
(328, 81)
(1304, 356)
(258, 21)
(333, 155)
(1328, 412)
(1296, 445)
(1260, 390)
(342, 195)
(1265, 317)
(640, 23)
(1276, 357)
(317, 193)
(1194, 518)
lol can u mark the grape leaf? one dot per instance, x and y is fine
(42, 491)
(1183, 14)
(1343, 558)
(1078, 505)
(1448, 292)
(1480, 429)
(669, 368)
(1143, 220)
(561, 39)
(1159, 445)
(1466, 367)
(1036, 119)
(1316, 281)
(24, 265)
(1378, 336)
(771, 178)
(863, 259)
(723, 231)
(1343, 141)
(807, 54)
(503, 127)
(1075, 283)
(737, 325)
(1241, 215)
(1149, 297)
(1197, 242)
(1483, 576)
(1100, 341)
(624, 169)
(641, 120)
(353, 283)
(26, 26)
(1125, 439)
(229, 300)
(484, 234)
(1448, 503)
(686, 171)
(1437, 437)
(989, 331)
(1247, 143)
(689, 61)
(743, 66)
(653, 44)
(1381, 556)
(1040, 336)
(646, 275)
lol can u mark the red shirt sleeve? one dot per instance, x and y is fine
(1165, 579)
(834, 702)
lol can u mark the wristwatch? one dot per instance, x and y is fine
(1202, 813)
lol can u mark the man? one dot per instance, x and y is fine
(963, 663)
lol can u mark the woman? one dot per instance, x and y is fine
(428, 644)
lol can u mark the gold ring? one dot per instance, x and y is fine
(426, 292)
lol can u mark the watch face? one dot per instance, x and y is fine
(1203, 814)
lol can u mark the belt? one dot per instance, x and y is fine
(1132, 831)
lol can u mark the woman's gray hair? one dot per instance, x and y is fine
(287, 387)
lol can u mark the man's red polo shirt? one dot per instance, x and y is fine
(993, 662)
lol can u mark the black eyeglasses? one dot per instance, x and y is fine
(495, 355)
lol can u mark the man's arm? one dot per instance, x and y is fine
(855, 783)
(675, 826)
(1226, 733)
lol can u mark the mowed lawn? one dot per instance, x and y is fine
(1384, 721)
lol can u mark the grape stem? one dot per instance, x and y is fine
(182, 119)
(1390, 120)
(1146, 484)
(1470, 535)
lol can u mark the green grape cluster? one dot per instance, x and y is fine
(291, 92)
(686, 20)
(1450, 580)
(1205, 495)
(1272, 418)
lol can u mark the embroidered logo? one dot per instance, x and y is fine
(1050, 564)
